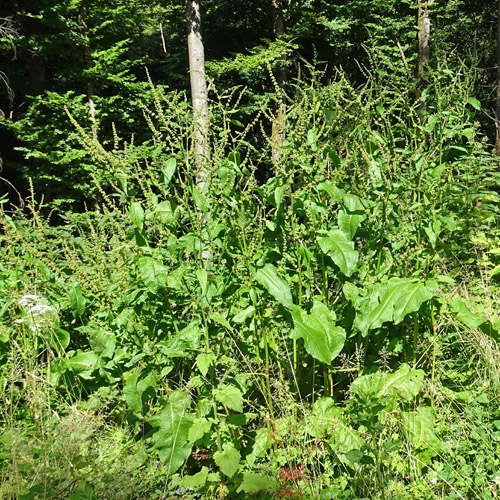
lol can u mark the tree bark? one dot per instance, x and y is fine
(277, 135)
(497, 141)
(199, 90)
(424, 33)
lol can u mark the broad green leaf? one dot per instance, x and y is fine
(203, 362)
(326, 415)
(341, 250)
(168, 171)
(405, 384)
(411, 297)
(323, 340)
(102, 342)
(474, 103)
(139, 388)
(279, 192)
(197, 480)
(253, 482)
(84, 491)
(173, 423)
(199, 428)
(276, 286)
(200, 200)
(166, 213)
(419, 428)
(76, 300)
(153, 274)
(261, 444)
(243, 315)
(83, 362)
(349, 223)
(202, 276)
(230, 396)
(181, 345)
(469, 318)
(60, 339)
(228, 459)
(392, 301)
(136, 214)
(344, 439)
(218, 318)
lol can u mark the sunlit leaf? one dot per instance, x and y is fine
(275, 285)
(230, 396)
(173, 424)
(228, 460)
(341, 250)
(323, 340)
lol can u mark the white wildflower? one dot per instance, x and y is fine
(18, 321)
(28, 300)
(40, 309)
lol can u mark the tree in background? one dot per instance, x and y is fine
(277, 136)
(199, 89)
(424, 33)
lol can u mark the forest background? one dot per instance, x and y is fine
(294, 295)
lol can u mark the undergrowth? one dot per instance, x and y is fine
(320, 327)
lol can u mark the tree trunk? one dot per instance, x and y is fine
(497, 142)
(199, 90)
(277, 135)
(424, 51)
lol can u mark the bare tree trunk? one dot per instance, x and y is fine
(277, 135)
(497, 142)
(199, 90)
(424, 50)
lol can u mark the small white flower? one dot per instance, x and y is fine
(496, 480)
(40, 309)
(28, 300)
(37, 416)
(433, 480)
(18, 321)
